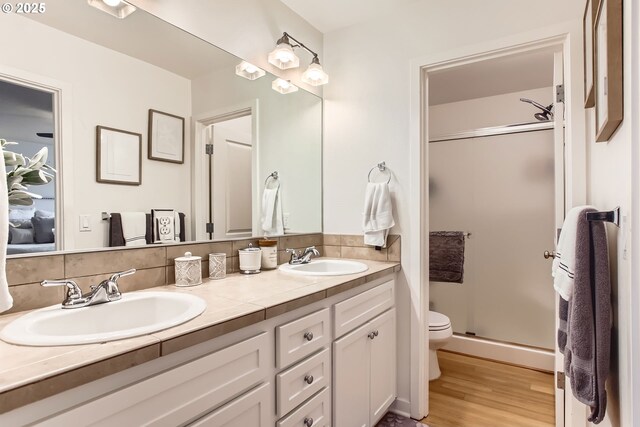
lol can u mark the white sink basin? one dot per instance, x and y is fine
(135, 314)
(325, 267)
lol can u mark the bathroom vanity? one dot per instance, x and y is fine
(271, 349)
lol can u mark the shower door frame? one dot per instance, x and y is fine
(574, 169)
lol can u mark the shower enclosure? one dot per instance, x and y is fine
(500, 189)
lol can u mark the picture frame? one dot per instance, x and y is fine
(608, 74)
(118, 156)
(166, 137)
(588, 21)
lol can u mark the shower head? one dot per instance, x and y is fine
(546, 113)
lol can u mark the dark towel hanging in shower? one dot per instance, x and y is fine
(446, 256)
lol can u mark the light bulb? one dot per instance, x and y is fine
(250, 68)
(315, 75)
(112, 3)
(283, 57)
(249, 71)
(283, 86)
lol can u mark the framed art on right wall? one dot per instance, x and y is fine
(608, 73)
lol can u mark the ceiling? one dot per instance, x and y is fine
(331, 15)
(497, 76)
(140, 35)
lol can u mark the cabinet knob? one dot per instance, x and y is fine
(371, 335)
(308, 379)
(308, 336)
(548, 254)
(308, 422)
(375, 333)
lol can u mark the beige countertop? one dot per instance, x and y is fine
(28, 374)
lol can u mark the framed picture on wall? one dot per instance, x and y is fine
(118, 156)
(588, 20)
(166, 137)
(608, 76)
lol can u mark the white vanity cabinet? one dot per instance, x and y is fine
(364, 360)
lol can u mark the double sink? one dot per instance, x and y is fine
(135, 314)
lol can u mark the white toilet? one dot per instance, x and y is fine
(440, 333)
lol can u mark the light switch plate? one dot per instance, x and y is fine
(285, 220)
(85, 223)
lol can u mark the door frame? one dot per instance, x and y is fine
(63, 144)
(417, 267)
(199, 183)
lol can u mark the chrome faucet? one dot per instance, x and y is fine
(106, 291)
(298, 257)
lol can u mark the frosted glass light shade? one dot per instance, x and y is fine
(249, 71)
(315, 75)
(120, 9)
(283, 86)
(283, 57)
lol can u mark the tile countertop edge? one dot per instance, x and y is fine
(46, 384)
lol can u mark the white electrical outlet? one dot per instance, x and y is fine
(85, 223)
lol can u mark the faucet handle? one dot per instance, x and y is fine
(73, 290)
(116, 276)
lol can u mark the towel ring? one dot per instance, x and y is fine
(274, 176)
(382, 167)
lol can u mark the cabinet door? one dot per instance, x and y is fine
(251, 409)
(383, 364)
(351, 368)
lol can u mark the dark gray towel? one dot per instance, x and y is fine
(446, 256)
(116, 236)
(584, 335)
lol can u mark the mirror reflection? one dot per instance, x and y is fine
(134, 132)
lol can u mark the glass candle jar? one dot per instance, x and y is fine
(269, 253)
(217, 266)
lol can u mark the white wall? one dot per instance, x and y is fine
(367, 105)
(108, 89)
(289, 139)
(610, 185)
(246, 28)
(498, 110)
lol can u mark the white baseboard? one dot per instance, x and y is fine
(401, 407)
(502, 352)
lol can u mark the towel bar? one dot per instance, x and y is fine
(607, 216)
(382, 167)
(106, 216)
(272, 175)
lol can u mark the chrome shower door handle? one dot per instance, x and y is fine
(548, 254)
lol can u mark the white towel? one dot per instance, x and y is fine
(134, 228)
(378, 214)
(6, 302)
(564, 263)
(272, 222)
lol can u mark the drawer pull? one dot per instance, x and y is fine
(308, 336)
(308, 422)
(308, 379)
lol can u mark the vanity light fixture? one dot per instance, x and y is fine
(284, 58)
(283, 86)
(249, 71)
(118, 8)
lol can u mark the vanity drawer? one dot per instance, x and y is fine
(251, 409)
(298, 339)
(317, 411)
(356, 311)
(179, 395)
(298, 383)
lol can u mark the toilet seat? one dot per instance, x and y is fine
(438, 321)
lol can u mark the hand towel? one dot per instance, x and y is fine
(6, 302)
(116, 238)
(563, 268)
(446, 256)
(377, 218)
(272, 221)
(584, 334)
(176, 226)
(134, 227)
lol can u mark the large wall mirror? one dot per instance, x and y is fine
(153, 136)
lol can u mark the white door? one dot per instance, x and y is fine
(231, 199)
(351, 371)
(562, 412)
(383, 364)
(252, 409)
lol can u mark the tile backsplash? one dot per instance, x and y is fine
(155, 264)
